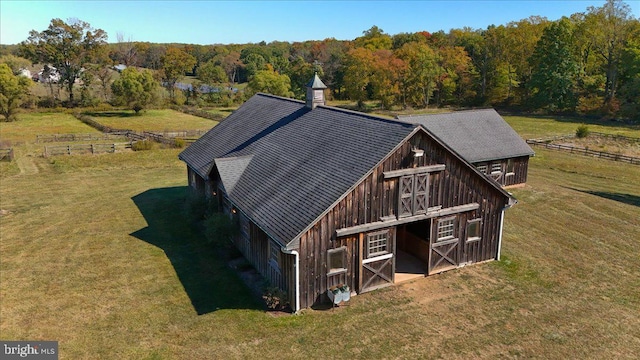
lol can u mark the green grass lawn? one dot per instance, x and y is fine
(97, 254)
(152, 120)
(31, 124)
(224, 111)
(547, 126)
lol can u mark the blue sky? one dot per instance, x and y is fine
(226, 22)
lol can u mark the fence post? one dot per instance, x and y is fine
(69, 149)
(92, 151)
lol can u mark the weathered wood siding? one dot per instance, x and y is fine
(376, 197)
(195, 181)
(513, 170)
(254, 244)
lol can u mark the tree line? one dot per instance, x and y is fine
(587, 63)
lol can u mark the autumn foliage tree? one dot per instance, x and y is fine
(13, 89)
(135, 89)
(68, 46)
(269, 81)
(175, 63)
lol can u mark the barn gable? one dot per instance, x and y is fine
(483, 138)
(301, 162)
(477, 135)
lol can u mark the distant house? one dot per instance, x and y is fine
(325, 196)
(25, 72)
(119, 68)
(49, 74)
(484, 139)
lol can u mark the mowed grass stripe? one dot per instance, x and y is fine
(152, 120)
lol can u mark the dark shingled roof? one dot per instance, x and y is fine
(277, 164)
(477, 135)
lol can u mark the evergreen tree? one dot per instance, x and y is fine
(555, 68)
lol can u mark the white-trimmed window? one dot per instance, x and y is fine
(483, 168)
(274, 255)
(474, 230)
(446, 228)
(336, 260)
(377, 243)
(510, 167)
(496, 167)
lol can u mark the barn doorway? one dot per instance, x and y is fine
(412, 250)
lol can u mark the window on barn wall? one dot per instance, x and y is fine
(446, 228)
(474, 230)
(377, 243)
(193, 178)
(336, 260)
(483, 168)
(496, 168)
(510, 166)
(274, 255)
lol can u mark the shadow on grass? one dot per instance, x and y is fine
(116, 114)
(623, 198)
(210, 284)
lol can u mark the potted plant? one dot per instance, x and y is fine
(335, 295)
(346, 292)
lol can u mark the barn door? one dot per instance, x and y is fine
(377, 260)
(412, 194)
(444, 245)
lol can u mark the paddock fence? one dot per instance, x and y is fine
(7, 154)
(79, 137)
(76, 149)
(584, 151)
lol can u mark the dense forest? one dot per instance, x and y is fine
(588, 63)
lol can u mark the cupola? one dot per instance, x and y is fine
(315, 92)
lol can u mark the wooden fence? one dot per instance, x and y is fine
(79, 137)
(585, 151)
(6, 154)
(621, 137)
(163, 137)
(181, 133)
(85, 148)
(198, 112)
(591, 133)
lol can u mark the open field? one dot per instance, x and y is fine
(95, 252)
(152, 120)
(31, 124)
(547, 126)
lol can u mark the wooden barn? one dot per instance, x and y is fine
(484, 139)
(325, 196)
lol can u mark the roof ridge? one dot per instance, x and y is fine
(280, 97)
(359, 113)
(448, 113)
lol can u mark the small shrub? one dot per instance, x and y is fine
(196, 207)
(142, 145)
(219, 229)
(275, 298)
(179, 143)
(245, 266)
(582, 131)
